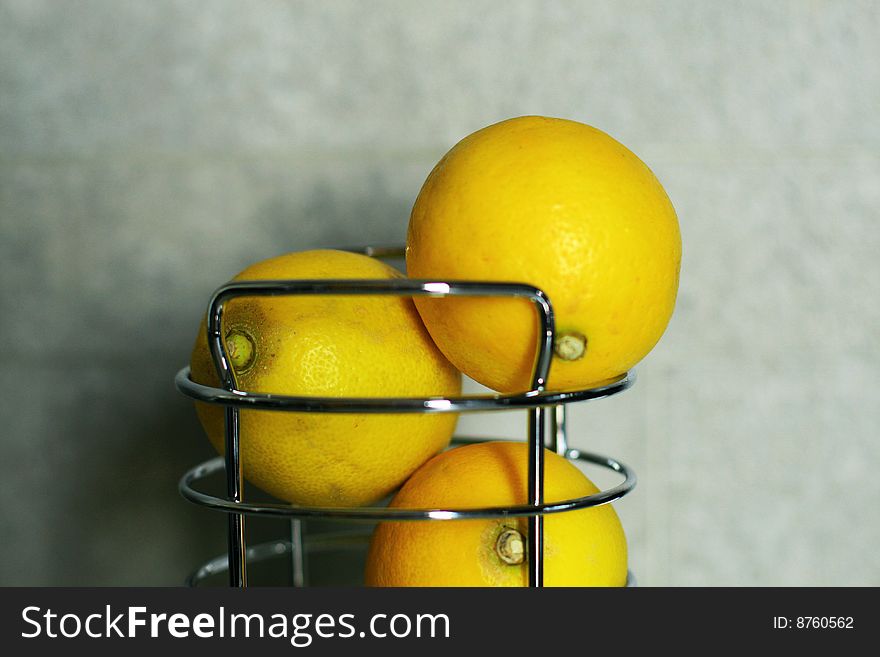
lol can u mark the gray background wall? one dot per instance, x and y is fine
(149, 150)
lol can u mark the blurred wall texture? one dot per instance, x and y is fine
(149, 150)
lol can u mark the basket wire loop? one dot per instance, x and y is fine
(396, 287)
(349, 514)
(462, 404)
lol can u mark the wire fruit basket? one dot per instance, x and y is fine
(545, 411)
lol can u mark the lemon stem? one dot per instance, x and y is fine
(570, 345)
(510, 547)
(241, 350)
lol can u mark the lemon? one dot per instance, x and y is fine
(562, 206)
(334, 346)
(581, 548)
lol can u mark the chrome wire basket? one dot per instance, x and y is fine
(543, 408)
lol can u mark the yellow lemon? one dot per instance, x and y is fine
(562, 206)
(581, 548)
(334, 346)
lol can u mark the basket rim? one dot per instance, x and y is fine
(216, 465)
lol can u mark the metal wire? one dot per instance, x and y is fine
(205, 470)
(535, 400)
(382, 287)
(462, 404)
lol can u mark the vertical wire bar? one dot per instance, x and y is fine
(558, 430)
(536, 496)
(237, 552)
(237, 546)
(297, 554)
(537, 419)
